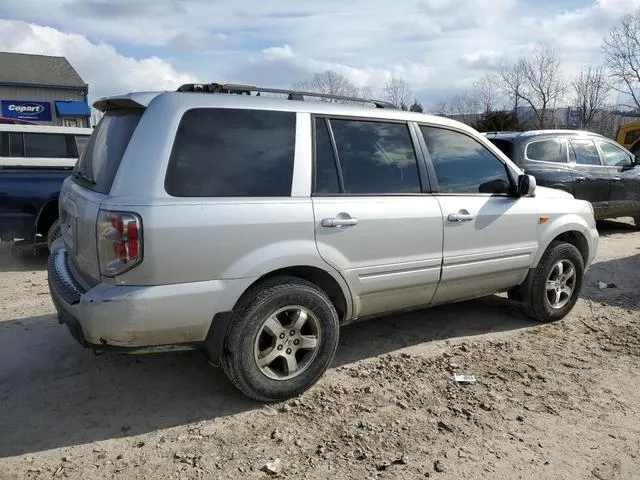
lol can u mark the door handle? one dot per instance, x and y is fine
(461, 216)
(341, 220)
(580, 179)
(617, 179)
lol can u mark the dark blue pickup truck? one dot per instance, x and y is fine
(34, 161)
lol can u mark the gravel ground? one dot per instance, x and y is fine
(551, 401)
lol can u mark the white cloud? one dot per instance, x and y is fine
(436, 45)
(100, 65)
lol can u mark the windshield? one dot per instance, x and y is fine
(101, 158)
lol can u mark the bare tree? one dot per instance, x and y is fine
(590, 91)
(485, 93)
(442, 107)
(397, 92)
(330, 83)
(543, 83)
(622, 54)
(511, 82)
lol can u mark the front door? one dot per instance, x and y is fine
(591, 178)
(373, 223)
(624, 195)
(489, 235)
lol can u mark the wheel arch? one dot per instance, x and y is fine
(336, 290)
(48, 214)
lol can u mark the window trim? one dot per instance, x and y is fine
(436, 185)
(561, 139)
(417, 151)
(573, 164)
(601, 153)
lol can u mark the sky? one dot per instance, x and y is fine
(438, 46)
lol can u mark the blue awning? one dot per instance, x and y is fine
(72, 109)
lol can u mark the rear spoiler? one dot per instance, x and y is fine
(130, 100)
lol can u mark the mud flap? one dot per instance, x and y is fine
(215, 337)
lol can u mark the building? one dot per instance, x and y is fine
(42, 90)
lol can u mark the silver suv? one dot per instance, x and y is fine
(255, 227)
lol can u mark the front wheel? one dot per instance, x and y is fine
(555, 284)
(280, 340)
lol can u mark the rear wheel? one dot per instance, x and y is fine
(280, 340)
(555, 284)
(53, 233)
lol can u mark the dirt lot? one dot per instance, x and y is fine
(551, 401)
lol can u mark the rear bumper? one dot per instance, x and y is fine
(138, 316)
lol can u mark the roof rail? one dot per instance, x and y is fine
(291, 94)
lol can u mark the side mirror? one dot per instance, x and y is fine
(526, 186)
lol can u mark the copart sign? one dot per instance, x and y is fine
(25, 110)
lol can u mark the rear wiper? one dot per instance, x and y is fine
(83, 176)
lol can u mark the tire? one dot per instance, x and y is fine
(537, 301)
(53, 233)
(636, 220)
(250, 342)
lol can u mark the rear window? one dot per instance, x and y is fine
(102, 155)
(232, 153)
(505, 146)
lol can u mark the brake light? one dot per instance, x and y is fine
(119, 238)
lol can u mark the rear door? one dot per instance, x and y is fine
(375, 221)
(591, 178)
(91, 181)
(489, 235)
(624, 193)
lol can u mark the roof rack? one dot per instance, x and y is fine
(291, 94)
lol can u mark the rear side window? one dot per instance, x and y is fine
(46, 145)
(584, 152)
(552, 150)
(232, 153)
(376, 157)
(102, 155)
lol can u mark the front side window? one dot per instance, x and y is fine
(584, 152)
(376, 157)
(464, 165)
(614, 156)
(232, 153)
(552, 150)
(45, 145)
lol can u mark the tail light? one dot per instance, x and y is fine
(119, 236)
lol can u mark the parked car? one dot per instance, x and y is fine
(34, 161)
(256, 227)
(587, 165)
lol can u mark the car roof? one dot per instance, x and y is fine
(226, 100)
(7, 127)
